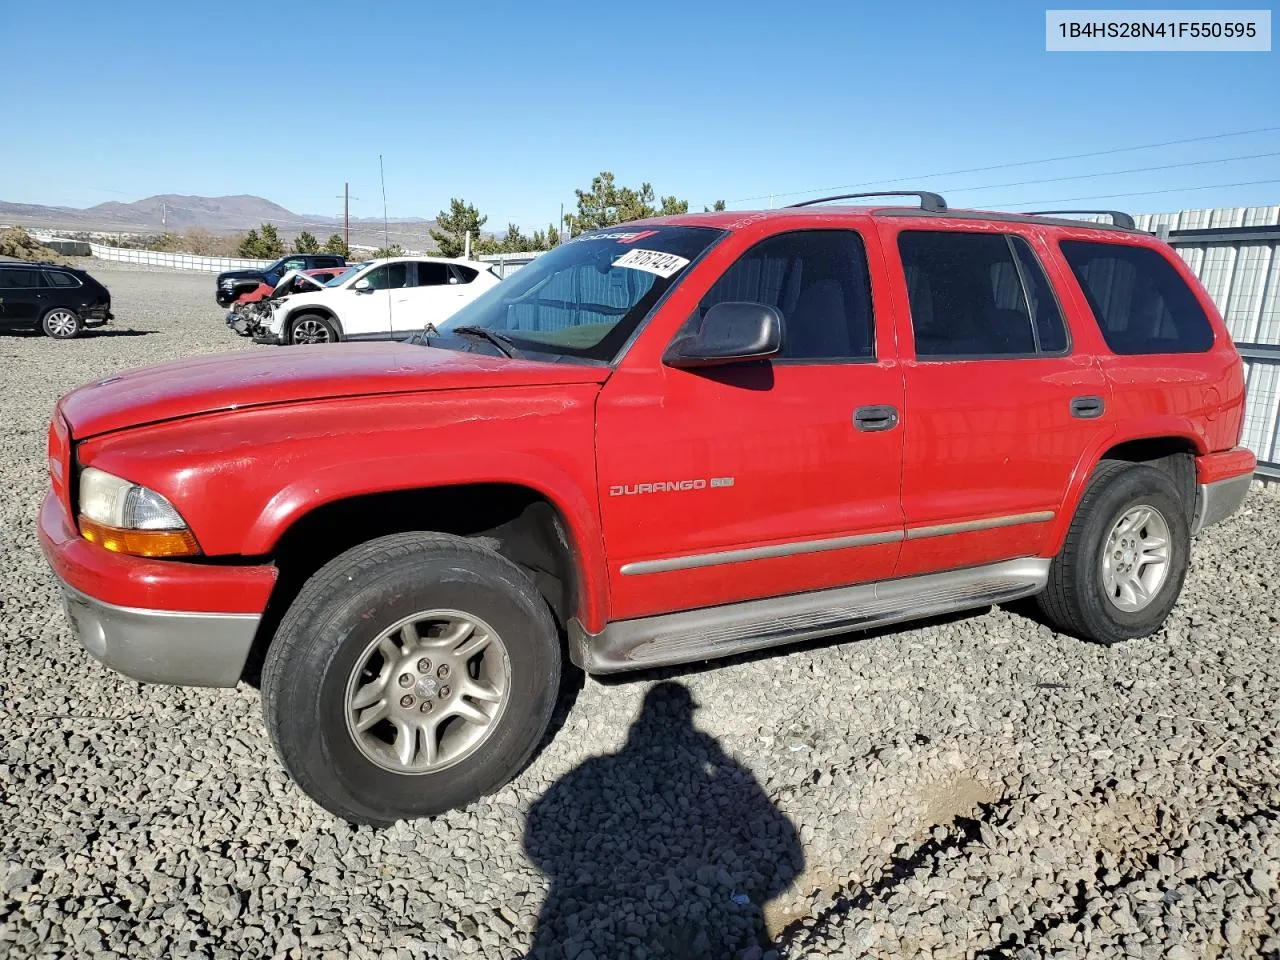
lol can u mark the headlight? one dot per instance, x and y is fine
(129, 518)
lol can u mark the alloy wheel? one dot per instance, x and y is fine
(427, 691)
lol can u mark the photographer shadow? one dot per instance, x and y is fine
(668, 845)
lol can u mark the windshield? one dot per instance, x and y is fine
(587, 296)
(347, 274)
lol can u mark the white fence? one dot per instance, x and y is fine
(175, 261)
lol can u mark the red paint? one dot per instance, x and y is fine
(263, 290)
(1225, 465)
(246, 445)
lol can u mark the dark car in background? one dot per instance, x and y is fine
(61, 301)
(234, 283)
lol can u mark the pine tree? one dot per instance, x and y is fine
(462, 218)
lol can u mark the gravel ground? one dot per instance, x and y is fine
(974, 787)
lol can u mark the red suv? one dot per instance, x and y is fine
(663, 442)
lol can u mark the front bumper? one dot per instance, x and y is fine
(160, 621)
(163, 646)
(1222, 483)
(264, 335)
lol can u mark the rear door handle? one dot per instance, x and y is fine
(875, 418)
(1087, 408)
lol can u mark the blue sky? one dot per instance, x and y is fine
(513, 105)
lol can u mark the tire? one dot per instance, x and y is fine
(62, 324)
(311, 328)
(311, 677)
(1079, 598)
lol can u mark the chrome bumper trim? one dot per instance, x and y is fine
(163, 646)
(1217, 501)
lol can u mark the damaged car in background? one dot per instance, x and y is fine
(251, 311)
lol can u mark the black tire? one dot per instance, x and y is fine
(309, 321)
(62, 323)
(1075, 600)
(341, 609)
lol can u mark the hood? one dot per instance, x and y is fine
(233, 381)
(310, 284)
(240, 275)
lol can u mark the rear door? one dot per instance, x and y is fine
(754, 480)
(1000, 405)
(430, 297)
(22, 294)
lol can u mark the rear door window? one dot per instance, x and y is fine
(463, 274)
(1141, 303)
(966, 295)
(433, 274)
(59, 279)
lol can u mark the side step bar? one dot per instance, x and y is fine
(711, 632)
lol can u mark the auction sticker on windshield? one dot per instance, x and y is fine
(652, 261)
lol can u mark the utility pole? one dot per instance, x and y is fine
(164, 214)
(346, 199)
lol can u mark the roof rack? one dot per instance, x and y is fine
(932, 202)
(1118, 217)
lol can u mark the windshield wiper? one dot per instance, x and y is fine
(502, 342)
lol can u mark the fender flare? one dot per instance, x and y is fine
(1148, 428)
(342, 481)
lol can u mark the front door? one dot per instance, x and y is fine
(366, 314)
(1000, 407)
(731, 483)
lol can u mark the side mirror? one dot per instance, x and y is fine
(361, 285)
(732, 332)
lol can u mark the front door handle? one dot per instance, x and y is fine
(875, 418)
(1087, 408)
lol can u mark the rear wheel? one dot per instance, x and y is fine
(62, 324)
(1125, 557)
(412, 674)
(312, 328)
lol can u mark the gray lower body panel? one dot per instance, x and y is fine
(163, 646)
(713, 632)
(1217, 501)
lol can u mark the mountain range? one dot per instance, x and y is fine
(176, 213)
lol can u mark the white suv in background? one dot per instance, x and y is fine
(388, 299)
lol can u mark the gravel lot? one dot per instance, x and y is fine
(976, 787)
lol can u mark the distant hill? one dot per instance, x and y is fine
(215, 214)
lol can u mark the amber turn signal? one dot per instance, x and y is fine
(140, 543)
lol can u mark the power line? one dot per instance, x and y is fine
(1136, 193)
(1112, 173)
(1006, 166)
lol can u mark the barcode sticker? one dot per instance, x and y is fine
(652, 261)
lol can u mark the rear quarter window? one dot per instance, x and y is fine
(1140, 302)
(58, 279)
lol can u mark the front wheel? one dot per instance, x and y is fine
(1125, 558)
(312, 328)
(412, 674)
(62, 324)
